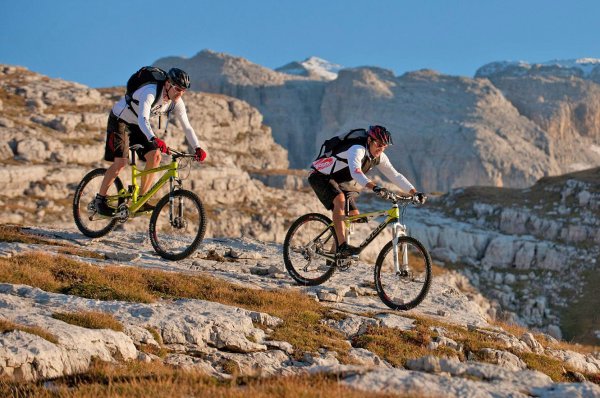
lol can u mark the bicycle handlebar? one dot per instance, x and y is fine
(177, 154)
(395, 198)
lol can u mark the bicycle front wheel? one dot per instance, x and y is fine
(404, 287)
(177, 226)
(308, 239)
(89, 222)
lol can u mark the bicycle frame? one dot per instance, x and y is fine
(399, 229)
(137, 201)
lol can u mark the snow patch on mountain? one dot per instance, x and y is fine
(314, 67)
(585, 66)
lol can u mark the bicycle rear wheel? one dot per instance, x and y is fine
(406, 288)
(308, 237)
(89, 222)
(177, 227)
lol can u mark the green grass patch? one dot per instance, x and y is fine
(554, 368)
(90, 320)
(581, 318)
(8, 326)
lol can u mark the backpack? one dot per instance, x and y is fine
(146, 75)
(333, 144)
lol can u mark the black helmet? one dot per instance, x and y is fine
(179, 78)
(380, 134)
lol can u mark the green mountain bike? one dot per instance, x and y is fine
(177, 223)
(403, 268)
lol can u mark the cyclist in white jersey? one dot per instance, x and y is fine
(129, 124)
(343, 174)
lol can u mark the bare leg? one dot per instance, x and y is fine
(111, 174)
(339, 204)
(153, 159)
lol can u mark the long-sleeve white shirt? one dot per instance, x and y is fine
(146, 95)
(356, 154)
(352, 159)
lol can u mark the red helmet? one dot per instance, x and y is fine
(380, 134)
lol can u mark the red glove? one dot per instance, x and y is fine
(200, 155)
(160, 144)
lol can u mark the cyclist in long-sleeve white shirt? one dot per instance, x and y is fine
(129, 124)
(343, 173)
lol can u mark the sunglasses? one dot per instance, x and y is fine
(379, 144)
(178, 89)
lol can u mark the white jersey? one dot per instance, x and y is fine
(145, 96)
(355, 162)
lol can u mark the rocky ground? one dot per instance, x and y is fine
(203, 335)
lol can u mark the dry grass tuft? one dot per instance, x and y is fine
(8, 326)
(15, 233)
(60, 274)
(90, 320)
(398, 346)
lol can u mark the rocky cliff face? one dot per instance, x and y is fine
(449, 131)
(564, 101)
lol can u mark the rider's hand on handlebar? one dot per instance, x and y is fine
(381, 191)
(420, 197)
(200, 155)
(160, 144)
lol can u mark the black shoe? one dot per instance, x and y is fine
(102, 206)
(345, 250)
(146, 208)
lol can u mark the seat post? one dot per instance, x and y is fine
(132, 156)
(347, 203)
(347, 211)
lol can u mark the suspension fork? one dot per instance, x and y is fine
(398, 231)
(172, 203)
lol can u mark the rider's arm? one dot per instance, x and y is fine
(181, 115)
(146, 96)
(356, 153)
(394, 176)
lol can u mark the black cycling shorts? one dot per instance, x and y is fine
(327, 189)
(120, 135)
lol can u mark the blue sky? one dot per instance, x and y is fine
(100, 43)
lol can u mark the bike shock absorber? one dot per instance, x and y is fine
(349, 231)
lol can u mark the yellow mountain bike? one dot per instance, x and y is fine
(177, 223)
(402, 270)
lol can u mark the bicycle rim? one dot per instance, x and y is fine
(308, 237)
(407, 288)
(176, 232)
(87, 220)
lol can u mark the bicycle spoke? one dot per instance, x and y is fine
(89, 222)
(307, 242)
(405, 286)
(177, 230)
